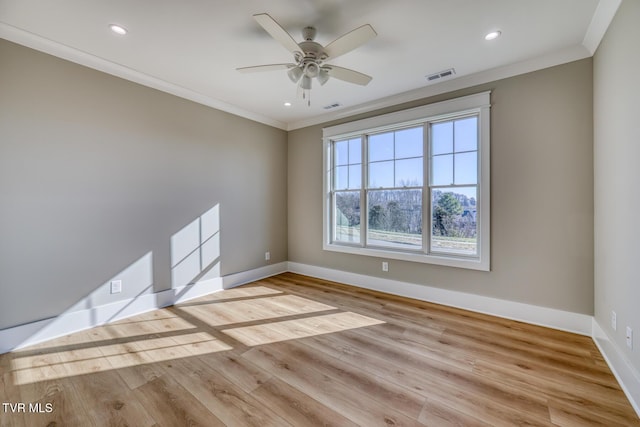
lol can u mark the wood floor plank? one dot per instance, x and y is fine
(523, 360)
(438, 414)
(9, 391)
(359, 408)
(376, 386)
(221, 397)
(424, 345)
(298, 408)
(508, 350)
(466, 394)
(442, 373)
(340, 298)
(569, 415)
(171, 404)
(111, 402)
(291, 350)
(238, 370)
(66, 403)
(552, 386)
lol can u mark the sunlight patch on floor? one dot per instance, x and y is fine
(251, 316)
(61, 364)
(250, 310)
(299, 328)
(240, 292)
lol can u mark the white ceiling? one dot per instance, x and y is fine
(192, 48)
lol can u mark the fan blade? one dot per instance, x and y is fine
(269, 67)
(348, 75)
(350, 41)
(277, 32)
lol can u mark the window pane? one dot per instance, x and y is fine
(395, 218)
(355, 151)
(409, 172)
(441, 138)
(381, 147)
(346, 214)
(381, 174)
(466, 131)
(442, 170)
(466, 168)
(341, 153)
(341, 180)
(409, 143)
(454, 227)
(355, 177)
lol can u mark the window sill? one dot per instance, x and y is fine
(444, 260)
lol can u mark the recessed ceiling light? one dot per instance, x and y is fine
(287, 104)
(493, 35)
(118, 29)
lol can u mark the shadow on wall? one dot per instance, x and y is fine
(195, 258)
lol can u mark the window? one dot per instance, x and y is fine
(394, 189)
(412, 185)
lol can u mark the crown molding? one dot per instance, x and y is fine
(602, 17)
(42, 44)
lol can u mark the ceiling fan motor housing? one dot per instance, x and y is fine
(312, 55)
(313, 50)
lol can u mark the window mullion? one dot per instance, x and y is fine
(426, 190)
(333, 216)
(364, 209)
(332, 190)
(332, 202)
(453, 154)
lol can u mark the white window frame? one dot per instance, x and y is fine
(478, 104)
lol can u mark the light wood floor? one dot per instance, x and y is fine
(296, 351)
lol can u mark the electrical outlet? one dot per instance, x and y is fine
(614, 320)
(267, 256)
(116, 286)
(629, 337)
(385, 266)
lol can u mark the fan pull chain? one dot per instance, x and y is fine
(306, 94)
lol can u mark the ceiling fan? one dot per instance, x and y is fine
(310, 57)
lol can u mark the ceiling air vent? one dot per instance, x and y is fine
(441, 75)
(330, 106)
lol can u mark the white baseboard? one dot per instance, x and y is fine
(625, 373)
(78, 320)
(237, 279)
(543, 316)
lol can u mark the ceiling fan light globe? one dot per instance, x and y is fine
(311, 69)
(305, 83)
(294, 74)
(323, 77)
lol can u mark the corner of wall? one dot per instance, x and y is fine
(628, 377)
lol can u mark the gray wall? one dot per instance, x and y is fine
(617, 175)
(541, 196)
(97, 174)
